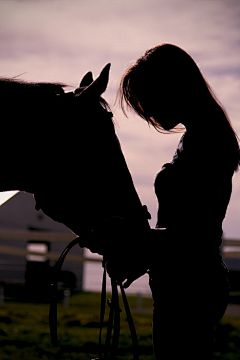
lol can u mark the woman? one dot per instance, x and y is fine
(188, 279)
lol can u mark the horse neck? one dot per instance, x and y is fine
(123, 198)
(17, 164)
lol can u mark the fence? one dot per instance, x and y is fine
(91, 268)
(230, 248)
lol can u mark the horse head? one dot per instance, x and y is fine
(75, 166)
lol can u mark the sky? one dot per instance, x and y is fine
(61, 40)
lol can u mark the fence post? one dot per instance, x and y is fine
(66, 298)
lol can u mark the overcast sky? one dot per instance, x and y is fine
(60, 40)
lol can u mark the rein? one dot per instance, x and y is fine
(114, 321)
(113, 328)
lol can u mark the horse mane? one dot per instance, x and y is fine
(27, 84)
(20, 89)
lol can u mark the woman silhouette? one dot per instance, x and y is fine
(188, 278)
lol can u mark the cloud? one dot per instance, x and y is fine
(61, 40)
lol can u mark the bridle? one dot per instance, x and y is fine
(113, 328)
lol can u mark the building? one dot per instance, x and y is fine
(30, 243)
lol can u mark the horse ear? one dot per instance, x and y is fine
(86, 80)
(99, 85)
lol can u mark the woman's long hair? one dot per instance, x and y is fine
(166, 73)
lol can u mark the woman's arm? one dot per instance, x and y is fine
(130, 264)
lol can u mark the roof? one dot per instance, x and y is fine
(19, 213)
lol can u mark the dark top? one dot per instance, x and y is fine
(193, 192)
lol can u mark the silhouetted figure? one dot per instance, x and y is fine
(62, 147)
(187, 275)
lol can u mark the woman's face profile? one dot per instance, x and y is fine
(164, 107)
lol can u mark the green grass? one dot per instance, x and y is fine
(227, 339)
(24, 331)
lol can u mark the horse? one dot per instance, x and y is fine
(62, 147)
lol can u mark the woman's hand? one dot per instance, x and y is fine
(127, 267)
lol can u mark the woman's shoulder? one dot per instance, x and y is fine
(217, 149)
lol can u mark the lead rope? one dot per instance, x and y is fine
(114, 321)
(110, 351)
(131, 324)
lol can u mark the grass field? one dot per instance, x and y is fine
(24, 331)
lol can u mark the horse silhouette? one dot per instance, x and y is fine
(62, 147)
